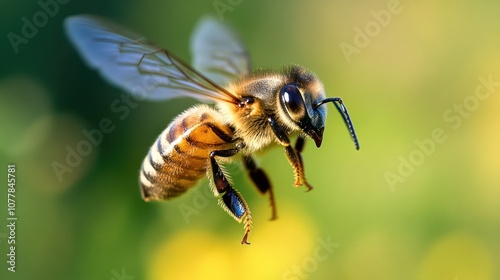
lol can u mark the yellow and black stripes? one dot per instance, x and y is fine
(180, 155)
(185, 151)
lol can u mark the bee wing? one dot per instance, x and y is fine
(132, 63)
(217, 51)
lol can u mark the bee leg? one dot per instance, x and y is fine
(299, 147)
(296, 161)
(292, 154)
(261, 181)
(229, 198)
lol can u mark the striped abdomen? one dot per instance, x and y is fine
(181, 154)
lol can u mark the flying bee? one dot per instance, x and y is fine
(253, 110)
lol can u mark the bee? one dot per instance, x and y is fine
(253, 110)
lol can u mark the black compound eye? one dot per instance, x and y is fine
(292, 101)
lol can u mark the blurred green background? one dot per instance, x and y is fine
(392, 210)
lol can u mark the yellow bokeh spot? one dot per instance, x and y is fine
(457, 256)
(276, 247)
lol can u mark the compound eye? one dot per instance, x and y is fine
(293, 102)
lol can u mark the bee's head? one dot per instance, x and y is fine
(301, 99)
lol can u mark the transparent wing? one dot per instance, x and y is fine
(130, 62)
(217, 51)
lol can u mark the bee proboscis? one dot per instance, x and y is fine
(253, 110)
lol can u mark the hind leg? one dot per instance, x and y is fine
(229, 198)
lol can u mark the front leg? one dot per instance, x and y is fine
(299, 147)
(296, 161)
(292, 154)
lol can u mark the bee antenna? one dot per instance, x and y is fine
(339, 104)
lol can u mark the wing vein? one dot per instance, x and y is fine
(132, 63)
